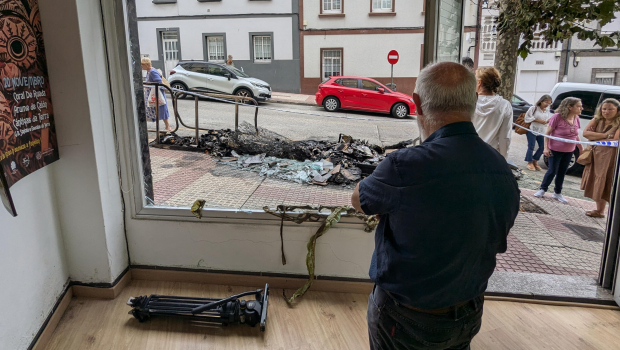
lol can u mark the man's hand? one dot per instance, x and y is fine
(547, 152)
(355, 199)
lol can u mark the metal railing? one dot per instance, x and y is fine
(175, 94)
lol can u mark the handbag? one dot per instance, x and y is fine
(152, 102)
(163, 79)
(521, 121)
(586, 156)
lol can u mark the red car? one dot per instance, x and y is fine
(363, 94)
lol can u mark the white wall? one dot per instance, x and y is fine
(366, 54)
(32, 264)
(408, 14)
(583, 72)
(146, 8)
(88, 200)
(237, 37)
(344, 250)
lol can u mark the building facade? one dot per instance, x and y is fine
(262, 36)
(346, 37)
(584, 62)
(574, 60)
(536, 74)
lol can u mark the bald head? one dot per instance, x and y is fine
(446, 91)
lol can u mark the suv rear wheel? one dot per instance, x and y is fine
(179, 86)
(331, 104)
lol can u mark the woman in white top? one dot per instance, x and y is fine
(493, 117)
(539, 116)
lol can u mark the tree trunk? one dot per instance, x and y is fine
(506, 52)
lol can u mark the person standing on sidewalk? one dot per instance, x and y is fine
(564, 124)
(493, 117)
(153, 76)
(598, 176)
(445, 208)
(229, 61)
(538, 115)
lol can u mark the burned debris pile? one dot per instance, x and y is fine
(308, 161)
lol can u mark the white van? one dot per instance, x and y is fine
(591, 95)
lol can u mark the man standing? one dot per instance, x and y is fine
(446, 207)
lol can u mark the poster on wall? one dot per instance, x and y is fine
(27, 134)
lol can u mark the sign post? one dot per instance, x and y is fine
(392, 59)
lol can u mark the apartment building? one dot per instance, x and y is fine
(262, 36)
(583, 62)
(537, 74)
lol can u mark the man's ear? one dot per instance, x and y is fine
(418, 104)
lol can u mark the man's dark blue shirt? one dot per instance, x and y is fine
(446, 208)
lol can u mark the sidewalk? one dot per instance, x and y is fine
(298, 99)
(563, 242)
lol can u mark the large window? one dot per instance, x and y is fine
(262, 48)
(332, 62)
(332, 6)
(382, 6)
(215, 49)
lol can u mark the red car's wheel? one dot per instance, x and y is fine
(331, 104)
(400, 110)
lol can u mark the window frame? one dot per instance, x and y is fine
(383, 11)
(331, 13)
(321, 63)
(205, 46)
(125, 80)
(253, 54)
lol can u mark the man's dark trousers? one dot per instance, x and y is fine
(394, 326)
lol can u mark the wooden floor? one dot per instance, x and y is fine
(319, 321)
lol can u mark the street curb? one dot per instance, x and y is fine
(293, 103)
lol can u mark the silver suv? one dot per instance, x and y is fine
(217, 78)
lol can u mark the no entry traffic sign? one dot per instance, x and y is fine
(393, 57)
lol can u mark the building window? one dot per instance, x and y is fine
(215, 49)
(605, 78)
(332, 62)
(382, 5)
(332, 6)
(262, 48)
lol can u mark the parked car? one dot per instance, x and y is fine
(363, 94)
(217, 78)
(591, 95)
(519, 106)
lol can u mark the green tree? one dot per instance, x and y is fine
(557, 20)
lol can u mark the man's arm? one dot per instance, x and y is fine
(379, 193)
(355, 199)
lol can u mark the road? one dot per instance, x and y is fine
(300, 122)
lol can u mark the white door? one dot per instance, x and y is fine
(533, 84)
(170, 43)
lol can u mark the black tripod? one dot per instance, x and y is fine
(219, 311)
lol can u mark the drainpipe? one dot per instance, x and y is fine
(567, 59)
